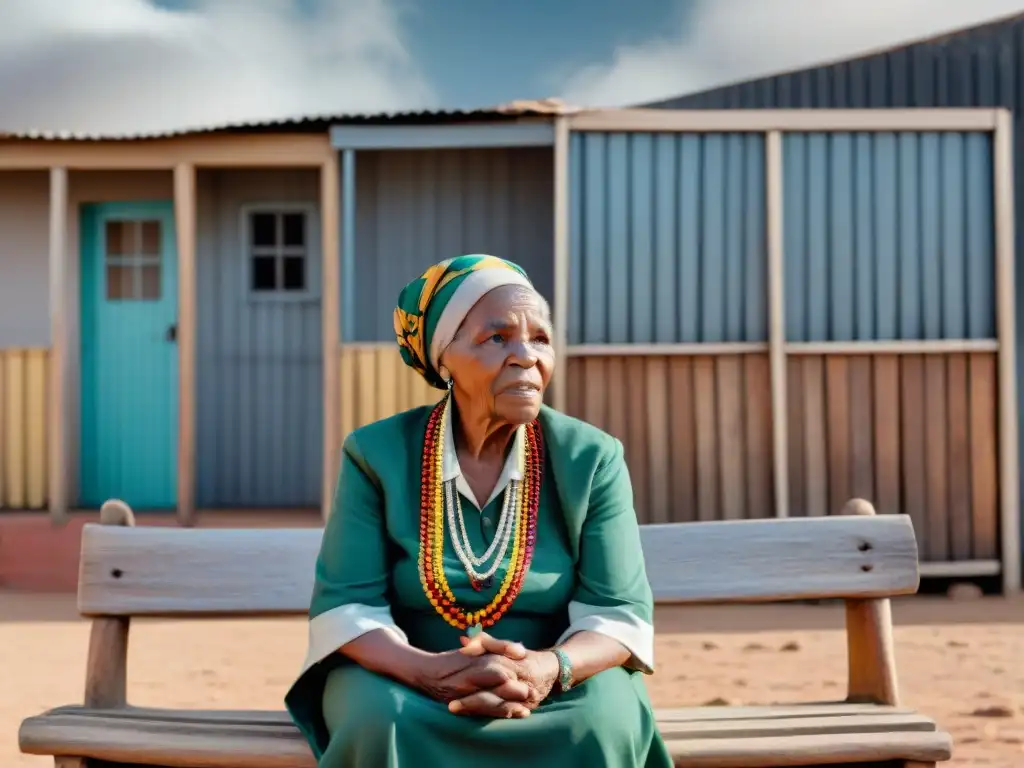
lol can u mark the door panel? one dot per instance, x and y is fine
(129, 355)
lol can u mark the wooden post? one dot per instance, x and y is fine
(776, 320)
(870, 655)
(106, 672)
(1009, 467)
(57, 476)
(331, 325)
(185, 224)
(561, 264)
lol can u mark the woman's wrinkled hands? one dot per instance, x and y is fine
(529, 677)
(489, 676)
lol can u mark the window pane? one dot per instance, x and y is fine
(294, 273)
(264, 229)
(120, 237)
(150, 238)
(264, 273)
(150, 287)
(119, 282)
(295, 229)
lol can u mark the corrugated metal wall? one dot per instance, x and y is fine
(885, 237)
(668, 245)
(667, 238)
(888, 236)
(24, 262)
(259, 372)
(975, 67)
(24, 378)
(417, 207)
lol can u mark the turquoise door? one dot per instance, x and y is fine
(129, 355)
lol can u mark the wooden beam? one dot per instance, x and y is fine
(669, 349)
(465, 136)
(765, 120)
(561, 264)
(57, 410)
(1009, 468)
(206, 151)
(185, 224)
(330, 326)
(908, 347)
(776, 321)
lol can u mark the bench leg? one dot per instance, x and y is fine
(69, 762)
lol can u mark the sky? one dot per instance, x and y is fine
(138, 65)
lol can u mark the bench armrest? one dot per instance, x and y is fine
(871, 657)
(106, 672)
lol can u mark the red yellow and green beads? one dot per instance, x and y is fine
(432, 524)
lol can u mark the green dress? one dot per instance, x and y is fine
(587, 573)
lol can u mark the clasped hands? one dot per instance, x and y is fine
(494, 678)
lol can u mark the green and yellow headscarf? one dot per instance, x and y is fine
(432, 307)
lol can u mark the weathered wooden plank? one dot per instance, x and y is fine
(684, 430)
(366, 386)
(959, 458)
(832, 749)
(731, 450)
(738, 743)
(984, 472)
(638, 445)
(386, 375)
(707, 438)
(815, 443)
(912, 439)
(861, 395)
(659, 449)
(168, 571)
(758, 410)
(936, 543)
(347, 392)
(795, 437)
(595, 404)
(887, 433)
(618, 400)
(780, 713)
(837, 400)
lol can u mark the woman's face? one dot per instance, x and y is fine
(501, 359)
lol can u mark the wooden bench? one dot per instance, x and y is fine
(155, 571)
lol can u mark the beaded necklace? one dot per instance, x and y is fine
(518, 526)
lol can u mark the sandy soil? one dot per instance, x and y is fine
(960, 662)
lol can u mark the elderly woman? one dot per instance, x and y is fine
(480, 595)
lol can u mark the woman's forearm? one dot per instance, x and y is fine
(383, 653)
(591, 653)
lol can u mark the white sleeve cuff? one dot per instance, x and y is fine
(334, 628)
(618, 623)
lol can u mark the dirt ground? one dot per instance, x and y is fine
(960, 662)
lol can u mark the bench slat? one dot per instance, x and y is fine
(222, 739)
(166, 571)
(665, 716)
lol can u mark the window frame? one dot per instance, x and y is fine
(135, 261)
(312, 255)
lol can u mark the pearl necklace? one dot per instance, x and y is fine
(460, 538)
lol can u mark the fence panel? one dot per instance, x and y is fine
(24, 377)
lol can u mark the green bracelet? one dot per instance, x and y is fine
(564, 670)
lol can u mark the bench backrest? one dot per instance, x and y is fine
(158, 571)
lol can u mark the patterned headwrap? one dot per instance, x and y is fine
(432, 307)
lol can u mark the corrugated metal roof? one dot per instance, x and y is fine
(739, 94)
(314, 123)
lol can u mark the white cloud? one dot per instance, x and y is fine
(128, 65)
(727, 40)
